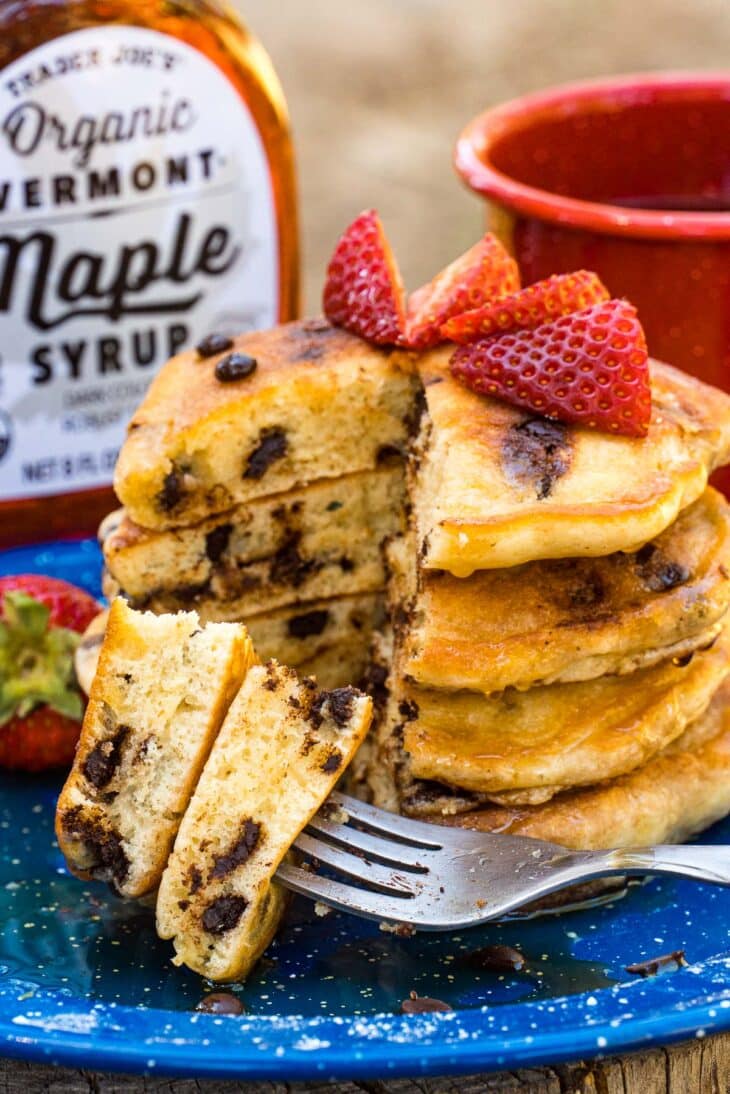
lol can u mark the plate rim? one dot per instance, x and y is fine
(388, 1045)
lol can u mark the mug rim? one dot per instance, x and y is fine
(474, 144)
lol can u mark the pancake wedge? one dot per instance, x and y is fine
(674, 796)
(566, 620)
(558, 736)
(497, 488)
(282, 747)
(161, 691)
(320, 404)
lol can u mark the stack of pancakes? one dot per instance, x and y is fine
(556, 653)
(559, 649)
(269, 500)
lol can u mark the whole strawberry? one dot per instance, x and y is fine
(41, 706)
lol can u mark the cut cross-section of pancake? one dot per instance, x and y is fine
(280, 751)
(329, 639)
(497, 488)
(567, 619)
(161, 691)
(674, 796)
(320, 403)
(325, 539)
(562, 735)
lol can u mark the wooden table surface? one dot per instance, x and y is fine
(696, 1067)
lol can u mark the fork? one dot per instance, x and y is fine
(427, 876)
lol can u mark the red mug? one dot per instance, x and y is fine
(628, 176)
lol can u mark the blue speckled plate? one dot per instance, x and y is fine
(84, 980)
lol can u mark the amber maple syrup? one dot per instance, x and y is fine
(147, 197)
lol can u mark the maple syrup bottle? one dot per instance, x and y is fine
(147, 199)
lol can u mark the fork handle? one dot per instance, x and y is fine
(702, 862)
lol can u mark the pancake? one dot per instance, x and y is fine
(328, 639)
(333, 666)
(498, 488)
(567, 620)
(321, 403)
(280, 751)
(559, 736)
(322, 540)
(670, 799)
(297, 633)
(161, 692)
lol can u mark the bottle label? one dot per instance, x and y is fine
(136, 215)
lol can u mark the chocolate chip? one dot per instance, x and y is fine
(497, 959)
(332, 763)
(421, 1004)
(340, 701)
(216, 541)
(425, 798)
(334, 506)
(223, 914)
(652, 966)
(103, 760)
(535, 454)
(289, 566)
(183, 905)
(375, 683)
(195, 880)
(104, 843)
(388, 453)
(236, 366)
(213, 344)
(346, 565)
(308, 623)
(408, 710)
(171, 493)
(658, 572)
(272, 446)
(221, 1002)
(241, 851)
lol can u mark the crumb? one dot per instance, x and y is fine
(400, 930)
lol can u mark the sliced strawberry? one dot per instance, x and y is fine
(363, 289)
(590, 368)
(486, 272)
(558, 295)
